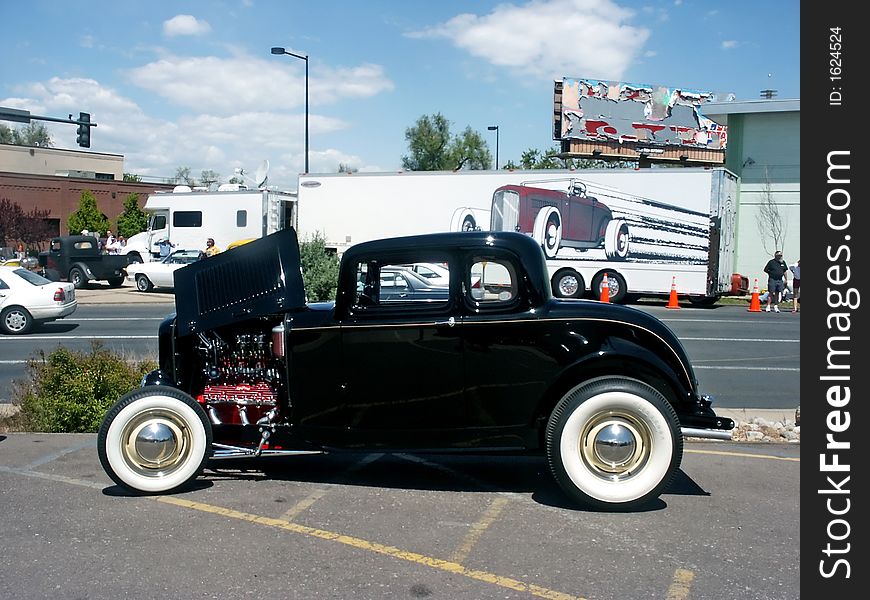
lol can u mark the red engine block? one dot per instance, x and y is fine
(229, 402)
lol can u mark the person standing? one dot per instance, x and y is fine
(210, 248)
(796, 285)
(776, 270)
(165, 247)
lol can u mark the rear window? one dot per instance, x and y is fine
(31, 277)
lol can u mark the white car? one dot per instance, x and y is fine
(436, 274)
(27, 298)
(147, 276)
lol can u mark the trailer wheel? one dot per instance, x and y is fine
(548, 230)
(568, 283)
(703, 300)
(616, 240)
(615, 283)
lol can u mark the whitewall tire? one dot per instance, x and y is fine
(613, 442)
(154, 440)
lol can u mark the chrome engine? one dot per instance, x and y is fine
(242, 375)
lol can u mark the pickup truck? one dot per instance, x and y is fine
(492, 363)
(79, 260)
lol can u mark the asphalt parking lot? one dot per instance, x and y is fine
(394, 526)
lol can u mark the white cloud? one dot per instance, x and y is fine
(729, 44)
(243, 83)
(185, 25)
(549, 39)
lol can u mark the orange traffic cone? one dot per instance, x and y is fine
(755, 303)
(605, 289)
(672, 301)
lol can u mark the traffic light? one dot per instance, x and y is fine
(84, 130)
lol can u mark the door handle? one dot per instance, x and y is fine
(449, 322)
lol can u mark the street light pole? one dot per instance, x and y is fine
(495, 129)
(278, 50)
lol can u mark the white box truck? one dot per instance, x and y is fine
(230, 215)
(646, 229)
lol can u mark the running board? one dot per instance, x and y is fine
(223, 451)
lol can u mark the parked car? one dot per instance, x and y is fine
(79, 260)
(436, 274)
(27, 299)
(399, 283)
(603, 392)
(147, 276)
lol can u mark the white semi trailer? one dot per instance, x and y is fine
(646, 229)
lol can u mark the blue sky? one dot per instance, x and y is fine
(193, 84)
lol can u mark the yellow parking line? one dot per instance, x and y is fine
(477, 530)
(744, 455)
(435, 563)
(679, 589)
(303, 505)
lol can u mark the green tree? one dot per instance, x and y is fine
(550, 159)
(433, 148)
(319, 268)
(130, 177)
(132, 219)
(32, 134)
(88, 216)
(345, 168)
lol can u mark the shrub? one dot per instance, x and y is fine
(69, 391)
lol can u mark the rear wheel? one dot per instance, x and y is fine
(616, 285)
(613, 442)
(155, 439)
(143, 284)
(16, 320)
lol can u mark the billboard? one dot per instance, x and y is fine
(647, 116)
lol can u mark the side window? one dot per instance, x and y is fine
(492, 281)
(3, 285)
(159, 222)
(83, 245)
(55, 246)
(241, 218)
(187, 218)
(392, 283)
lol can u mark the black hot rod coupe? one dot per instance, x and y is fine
(248, 368)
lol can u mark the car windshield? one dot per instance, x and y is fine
(31, 277)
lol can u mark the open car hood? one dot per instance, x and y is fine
(258, 278)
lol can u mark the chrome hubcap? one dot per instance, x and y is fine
(568, 285)
(15, 321)
(615, 445)
(156, 442)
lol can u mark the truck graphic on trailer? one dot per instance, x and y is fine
(557, 219)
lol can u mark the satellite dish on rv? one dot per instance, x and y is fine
(262, 174)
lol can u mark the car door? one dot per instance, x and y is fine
(162, 272)
(401, 360)
(506, 366)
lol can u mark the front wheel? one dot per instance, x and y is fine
(613, 443)
(548, 230)
(568, 283)
(77, 278)
(143, 284)
(616, 240)
(154, 440)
